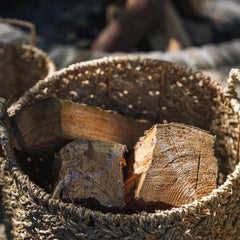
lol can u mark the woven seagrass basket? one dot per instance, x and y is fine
(22, 66)
(139, 88)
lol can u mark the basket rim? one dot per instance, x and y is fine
(41, 84)
(50, 64)
(160, 216)
(51, 67)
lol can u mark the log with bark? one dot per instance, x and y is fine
(90, 173)
(174, 165)
(47, 125)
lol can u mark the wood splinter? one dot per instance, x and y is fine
(174, 165)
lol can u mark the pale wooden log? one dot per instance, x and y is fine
(48, 124)
(90, 173)
(174, 165)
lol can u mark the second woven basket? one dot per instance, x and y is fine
(22, 66)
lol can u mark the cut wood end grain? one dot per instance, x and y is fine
(90, 173)
(174, 165)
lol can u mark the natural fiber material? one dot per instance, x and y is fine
(22, 66)
(140, 88)
(25, 24)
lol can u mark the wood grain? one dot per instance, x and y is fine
(47, 125)
(174, 165)
(90, 173)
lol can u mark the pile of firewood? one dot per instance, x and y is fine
(109, 162)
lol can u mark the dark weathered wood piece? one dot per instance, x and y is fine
(174, 25)
(90, 173)
(48, 124)
(135, 21)
(174, 165)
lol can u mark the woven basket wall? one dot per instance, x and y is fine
(20, 68)
(140, 88)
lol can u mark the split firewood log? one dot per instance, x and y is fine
(90, 173)
(47, 125)
(174, 165)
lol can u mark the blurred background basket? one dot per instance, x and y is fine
(22, 66)
(140, 88)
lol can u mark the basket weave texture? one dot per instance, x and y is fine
(20, 68)
(139, 88)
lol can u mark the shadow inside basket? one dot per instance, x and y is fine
(160, 92)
